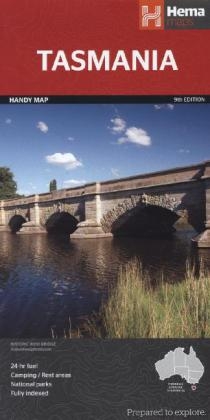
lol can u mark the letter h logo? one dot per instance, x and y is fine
(151, 14)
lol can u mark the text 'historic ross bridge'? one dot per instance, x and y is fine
(147, 204)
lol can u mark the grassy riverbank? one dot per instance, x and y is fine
(136, 309)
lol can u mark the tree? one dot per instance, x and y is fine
(8, 186)
(53, 185)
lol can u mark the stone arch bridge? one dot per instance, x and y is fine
(138, 205)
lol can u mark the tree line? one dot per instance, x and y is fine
(8, 185)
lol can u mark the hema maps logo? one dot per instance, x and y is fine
(178, 362)
(174, 14)
(151, 14)
(155, 17)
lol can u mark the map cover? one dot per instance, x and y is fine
(104, 210)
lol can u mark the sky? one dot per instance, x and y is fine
(82, 143)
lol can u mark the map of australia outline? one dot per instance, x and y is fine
(177, 362)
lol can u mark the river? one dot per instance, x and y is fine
(46, 280)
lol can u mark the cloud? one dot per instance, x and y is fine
(73, 182)
(118, 125)
(42, 126)
(184, 151)
(115, 172)
(65, 160)
(8, 121)
(32, 186)
(23, 192)
(164, 106)
(137, 136)
(71, 138)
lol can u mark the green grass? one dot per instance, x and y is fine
(136, 309)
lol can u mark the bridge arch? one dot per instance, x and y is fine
(61, 222)
(141, 215)
(16, 222)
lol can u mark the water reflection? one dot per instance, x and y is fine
(46, 279)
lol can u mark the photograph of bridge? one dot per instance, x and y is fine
(138, 210)
(111, 208)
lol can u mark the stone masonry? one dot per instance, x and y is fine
(96, 206)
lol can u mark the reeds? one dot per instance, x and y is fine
(136, 308)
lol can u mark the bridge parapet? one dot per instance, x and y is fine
(16, 202)
(206, 173)
(172, 176)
